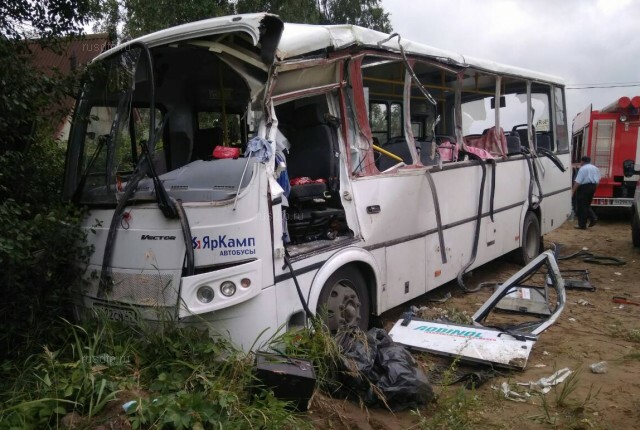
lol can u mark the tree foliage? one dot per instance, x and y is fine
(366, 13)
(38, 237)
(301, 11)
(139, 17)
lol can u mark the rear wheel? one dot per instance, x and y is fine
(635, 229)
(344, 300)
(531, 240)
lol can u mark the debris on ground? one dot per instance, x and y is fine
(543, 385)
(599, 368)
(380, 371)
(518, 393)
(478, 339)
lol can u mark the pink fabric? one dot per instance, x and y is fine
(495, 143)
(448, 151)
(485, 155)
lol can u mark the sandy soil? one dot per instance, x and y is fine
(584, 334)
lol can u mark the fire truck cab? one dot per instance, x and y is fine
(609, 136)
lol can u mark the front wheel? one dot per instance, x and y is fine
(635, 229)
(530, 248)
(344, 300)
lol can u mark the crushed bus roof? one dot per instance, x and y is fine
(298, 40)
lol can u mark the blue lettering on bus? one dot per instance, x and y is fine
(228, 245)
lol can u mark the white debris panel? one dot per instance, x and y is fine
(501, 347)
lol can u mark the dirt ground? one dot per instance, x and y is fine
(599, 330)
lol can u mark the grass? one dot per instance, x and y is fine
(453, 410)
(179, 378)
(454, 406)
(564, 410)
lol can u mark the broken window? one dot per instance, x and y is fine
(384, 87)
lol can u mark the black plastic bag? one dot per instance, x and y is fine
(381, 372)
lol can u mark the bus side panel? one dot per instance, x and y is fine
(556, 185)
(406, 271)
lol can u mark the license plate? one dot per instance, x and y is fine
(115, 314)
(621, 202)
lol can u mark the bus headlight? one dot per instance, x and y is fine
(205, 294)
(228, 288)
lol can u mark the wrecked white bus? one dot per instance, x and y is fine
(243, 173)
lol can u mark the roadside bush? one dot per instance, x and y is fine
(39, 243)
(177, 378)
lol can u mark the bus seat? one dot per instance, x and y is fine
(314, 149)
(521, 129)
(513, 143)
(397, 146)
(427, 155)
(543, 140)
(205, 141)
(314, 153)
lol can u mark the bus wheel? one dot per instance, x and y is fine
(344, 300)
(530, 248)
(635, 230)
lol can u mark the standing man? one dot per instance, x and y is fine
(583, 188)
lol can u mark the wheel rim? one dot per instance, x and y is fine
(532, 244)
(343, 306)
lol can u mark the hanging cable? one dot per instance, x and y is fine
(476, 236)
(186, 234)
(305, 306)
(436, 207)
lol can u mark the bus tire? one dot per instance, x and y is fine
(344, 300)
(531, 240)
(635, 230)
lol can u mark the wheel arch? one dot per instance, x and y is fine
(538, 213)
(362, 260)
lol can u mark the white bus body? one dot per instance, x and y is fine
(366, 237)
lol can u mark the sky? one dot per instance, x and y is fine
(581, 41)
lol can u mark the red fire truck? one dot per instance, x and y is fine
(610, 136)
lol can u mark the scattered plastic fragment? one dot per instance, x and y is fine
(128, 405)
(514, 396)
(544, 385)
(599, 368)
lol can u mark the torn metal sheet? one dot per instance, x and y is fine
(553, 280)
(506, 346)
(577, 279)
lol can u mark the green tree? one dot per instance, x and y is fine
(300, 11)
(37, 233)
(135, 18)
(365, 13)
(139, 17)
(145, 16)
